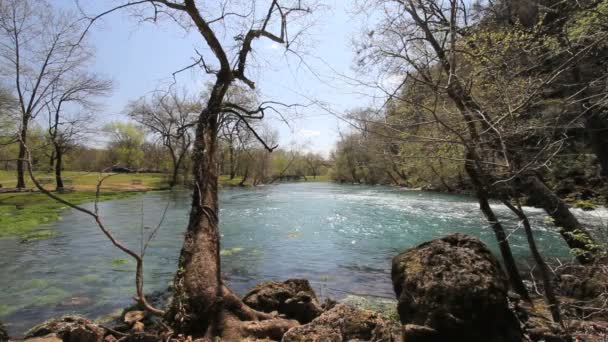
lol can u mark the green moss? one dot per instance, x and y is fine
(21, 213)
(119, 262)
(52, 295)
(39, 235)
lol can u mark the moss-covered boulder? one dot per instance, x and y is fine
(345, 323)
(453, 289)
(293, 298)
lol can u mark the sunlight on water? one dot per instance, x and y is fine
(340, 237)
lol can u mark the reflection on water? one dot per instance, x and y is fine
(340, 237)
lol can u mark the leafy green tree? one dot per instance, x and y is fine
(125, 146)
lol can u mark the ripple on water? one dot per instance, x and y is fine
(340, 237)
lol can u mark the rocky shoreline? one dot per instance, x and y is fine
(448, 289)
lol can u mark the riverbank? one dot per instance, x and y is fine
(469, 273)
(22, 213)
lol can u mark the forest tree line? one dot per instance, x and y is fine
(539, 68)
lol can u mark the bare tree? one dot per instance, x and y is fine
(39, 46)
(169, 116)
(202, 305)
(69, 104)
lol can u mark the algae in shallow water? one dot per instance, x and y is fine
(51, 295)
(39, 235)
(20, 213)
(87, 278)
(6, 310)
(119, 262)
(232, 251)
(35, 284)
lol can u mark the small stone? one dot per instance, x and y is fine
(293, 298)
(344, 323)
(46, 338)
(134, 316)
(110, 338)
(138, 327)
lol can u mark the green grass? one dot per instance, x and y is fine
(225, 181)
(21, 213)
(88, 180)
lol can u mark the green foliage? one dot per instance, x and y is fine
(588, 24)
(584, 204)
(126, 144)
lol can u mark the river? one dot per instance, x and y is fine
(340, 237)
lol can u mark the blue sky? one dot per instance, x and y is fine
(140, 57)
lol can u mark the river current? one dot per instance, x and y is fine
(340, 237)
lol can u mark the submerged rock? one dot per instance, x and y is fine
(293, 298)
(68, 329)
(453, 289)
(345, 323)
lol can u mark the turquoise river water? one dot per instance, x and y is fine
(340, 237)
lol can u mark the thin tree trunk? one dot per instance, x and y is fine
(21, 157)
(232, 164)
(596, 126)
(499, 232)
(575, 235)
(545, 273)
(395, 180)
(242, 183)
(58, 166)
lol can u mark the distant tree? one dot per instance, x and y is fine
(39, 46)
(169, 117)
(69, 107)
(125, 144)
(314, 163)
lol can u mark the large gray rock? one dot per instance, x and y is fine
(345, 323)
(293, 298)
(453, 289)
(68, 329)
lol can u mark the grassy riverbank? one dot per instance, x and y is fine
(22, 213)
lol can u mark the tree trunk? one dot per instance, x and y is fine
(499, 232)
(197, 283)
(21, 157)
(58, 166)
(232, 164)
(575, 235)
(596, 126)
(202, 306)
(245, 175)
(550, 297)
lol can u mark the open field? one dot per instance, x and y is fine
(87, 181)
